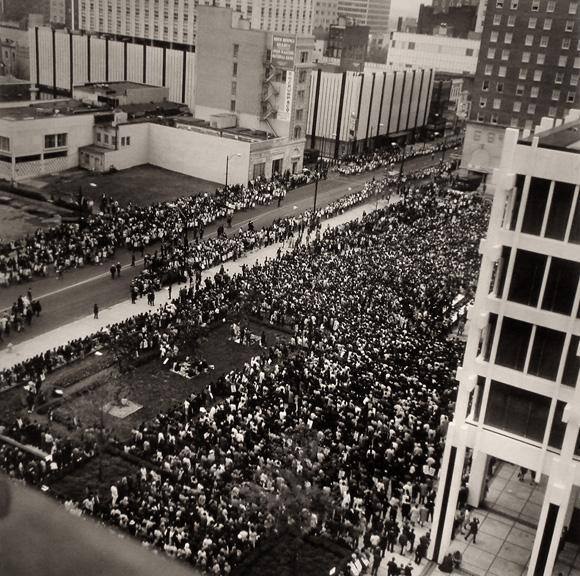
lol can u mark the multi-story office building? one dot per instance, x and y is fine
(373, 13)
(175, 21)
(519, 392)
(458, 21)
(443, 53)
(64, 13)
(325, 14)
(528, 68)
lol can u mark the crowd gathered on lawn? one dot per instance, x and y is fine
(338, 431)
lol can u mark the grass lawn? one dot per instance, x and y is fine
(141, 185)
(156, 388)
(291, 554)
(113, 468)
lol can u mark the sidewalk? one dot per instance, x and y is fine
(88, 325)
(507, 531)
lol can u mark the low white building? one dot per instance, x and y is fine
(442, 53)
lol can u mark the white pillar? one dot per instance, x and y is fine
(477, 478)
(447, 492)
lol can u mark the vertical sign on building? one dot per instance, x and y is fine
(286, 111)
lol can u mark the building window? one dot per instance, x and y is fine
(569, 26)
(236, 50)
(556, 95)
(494, 36)
(529, 40)
(517, 106)
(552, 111)
(511, 21)
(235, 69)
(4, 144)
(573, 8)
(535, 5)
(299, 115)
(497, 19)
(536, 205)
(551, 6)
(232, 105)
(304, 57)
(546, 353)
(525, 57)
(297, 132)
(548, 24)
(566, 43)
(514, 4)
(234, 87)
(496, 103)
(537, 75)
(561, 286)
(574, 79)
(259, 170)
(532, 23)
(494, 118)
(527, 276)
(571, 97)
(485, 86)
(482, 102)
(508, 37)
(572, 364)
(499, 87)
(502, 71)
(544, 41)
(523, 73)
(517, 411)
(514, 123)
(519, 90)
(541, 58)
(488, 69)
(54, 140)
(562, 61)
(534, 92)
(302, 76)
(505, 55)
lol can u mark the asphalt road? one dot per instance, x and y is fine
(73, 297)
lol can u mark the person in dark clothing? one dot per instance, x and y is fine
(118, 267)
(473, 529)
(113, 271)
(96, 311)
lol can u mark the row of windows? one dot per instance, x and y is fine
(530, 40)
(523, 73)
(537, 277)
(532, 23)
(534, 90)
(535, 7)
(515, 121)
(531, 108)
(522, 413)
(534, 350)
(544, 214)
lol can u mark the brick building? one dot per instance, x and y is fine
(528, 68)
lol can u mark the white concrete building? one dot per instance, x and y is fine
(61, 60)
(349, 111)
(442, 53)
(519, 393)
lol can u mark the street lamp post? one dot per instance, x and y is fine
(401, 168)
(228, 163)
(443, 153)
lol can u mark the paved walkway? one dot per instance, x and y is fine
(507, 531)
(87, 325)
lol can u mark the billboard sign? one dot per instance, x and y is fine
(283, 51)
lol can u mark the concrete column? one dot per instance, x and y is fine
(447, 493)
(477, 478)
(552, 521)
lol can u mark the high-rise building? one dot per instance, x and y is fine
(528, 68)
(519, 393)
(325, 13)
(456, 21)
(444, 5)
(373, 13)
(175, 21)
(64, 13)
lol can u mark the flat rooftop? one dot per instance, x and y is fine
(245, 134)
(114, 88)
(41, 109)
(563, 137)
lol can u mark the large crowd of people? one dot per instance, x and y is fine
(340, 430)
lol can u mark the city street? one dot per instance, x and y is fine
(64, 301)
